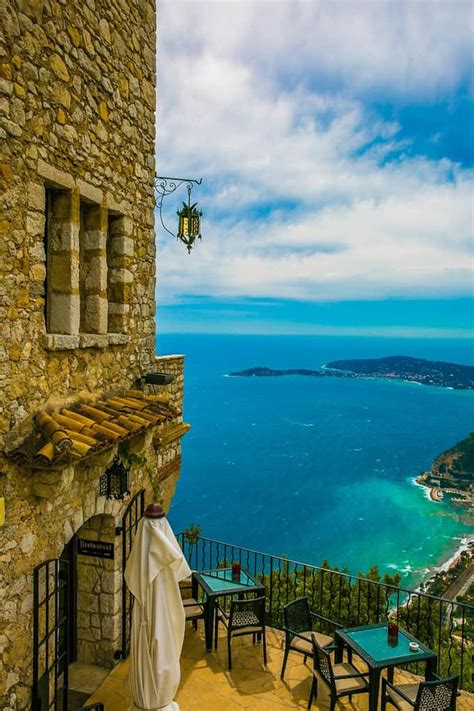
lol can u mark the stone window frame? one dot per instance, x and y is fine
(107, 278)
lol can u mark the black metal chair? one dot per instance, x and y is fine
(245, 617)
(343, 679)
(186, 584)
(437, 695)
(194, 610)
(298, 628)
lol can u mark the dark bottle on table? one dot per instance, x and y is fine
(236, 572)
(393, 630)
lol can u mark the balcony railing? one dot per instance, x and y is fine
(446, 626)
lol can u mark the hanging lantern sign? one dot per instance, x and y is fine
(189, 226)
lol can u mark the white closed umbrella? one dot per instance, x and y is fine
(155, 566)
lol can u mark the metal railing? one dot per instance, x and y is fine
(446, 626)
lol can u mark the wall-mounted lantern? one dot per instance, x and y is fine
(189, 225)
(114, 483)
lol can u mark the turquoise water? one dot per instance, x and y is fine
(318, 469)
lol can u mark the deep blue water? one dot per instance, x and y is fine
(318, 468)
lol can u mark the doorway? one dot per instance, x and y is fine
(76, 618)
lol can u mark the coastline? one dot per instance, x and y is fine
(448, 562)
(401, 368)
(451, 557)
(444, 567)
(426, 490)
(436, 494)
(464, 545)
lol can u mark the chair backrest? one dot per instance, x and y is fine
(247, 613)
(297, 615)
(439, 695)
(322, 663)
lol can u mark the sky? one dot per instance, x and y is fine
(335, 143)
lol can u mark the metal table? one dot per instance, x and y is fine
(219, 583)
(371, 644)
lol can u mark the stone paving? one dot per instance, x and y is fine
(207, 685)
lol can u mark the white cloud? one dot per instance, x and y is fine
(416, 46)
(244, 100)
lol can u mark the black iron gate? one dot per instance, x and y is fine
(130, 520)
(50, 635)
(69, 555)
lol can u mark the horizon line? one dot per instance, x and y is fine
(427, 334)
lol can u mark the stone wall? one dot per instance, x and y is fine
(50, 507)
(99, 585)
(77, 286)
(173, 365)
(77, 104)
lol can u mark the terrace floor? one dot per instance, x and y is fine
(207, 685)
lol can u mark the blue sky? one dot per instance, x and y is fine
(335, 142)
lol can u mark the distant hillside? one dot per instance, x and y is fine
(463, 454)
(426, 372)
(453, 469)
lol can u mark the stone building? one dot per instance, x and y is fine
(77, 306)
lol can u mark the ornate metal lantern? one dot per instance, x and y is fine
(189, 226)
(114, 483)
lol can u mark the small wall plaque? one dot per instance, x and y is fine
(96, 549)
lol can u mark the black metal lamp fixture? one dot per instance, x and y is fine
(114, 483)
(189, 226)
(157, 378)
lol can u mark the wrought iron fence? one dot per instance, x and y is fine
(446, 626)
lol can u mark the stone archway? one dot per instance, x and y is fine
(98, 595)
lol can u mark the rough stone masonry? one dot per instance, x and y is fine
(77, 293)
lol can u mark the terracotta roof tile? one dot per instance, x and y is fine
(87, 428)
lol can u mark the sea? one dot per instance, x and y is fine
(319, 469)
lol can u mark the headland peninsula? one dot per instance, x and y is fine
(416, 370)
(452, 473)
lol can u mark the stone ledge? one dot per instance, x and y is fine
(55, 176)
(170, 434)
(169, 357)
(89, 192)
(61, 179)
(93, 340)
(118, 339)
(172, 468)
(62, 342)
